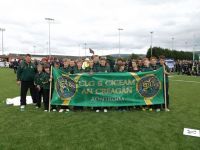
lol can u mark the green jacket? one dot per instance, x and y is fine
(155, 67)
(96, 66)
(89, 69)
(103, 69)
(66, 70)
(76, 70)
(72, 69)
(45, 81)
(26, 72)
(145, 69)
(117, 69)
(38, 79)
(167, 70)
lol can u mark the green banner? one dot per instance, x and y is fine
(108, 89)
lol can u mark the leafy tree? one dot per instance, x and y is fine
(174, 54)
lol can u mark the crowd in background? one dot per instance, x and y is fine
(181, 67)
(186, 67)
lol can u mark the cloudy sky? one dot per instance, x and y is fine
(95, 22)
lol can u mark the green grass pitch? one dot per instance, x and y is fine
(135, 130)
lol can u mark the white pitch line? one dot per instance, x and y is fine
(186, 81)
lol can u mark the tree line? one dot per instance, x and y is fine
(173, 54)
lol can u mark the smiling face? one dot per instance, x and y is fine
(66, 63)
(162, 61)
(91, 63)
(46, 70)
(96, 59)
(122, 68)
(119, 62)
(39, 68)
(79, 64)
(56, 65)
(72, 63)
(103, 62)
(140, 62)
(146, 62)
(134, 64)
(153, 61)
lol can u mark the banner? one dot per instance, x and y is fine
(108, 89)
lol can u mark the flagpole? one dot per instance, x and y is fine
(165, 94)
(50, 89)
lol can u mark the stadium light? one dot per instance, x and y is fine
(2, 30)
(151, 41)
(173, 43)
(119, 29)
(49, 20)
(85, 48)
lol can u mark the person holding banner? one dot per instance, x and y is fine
(166, 83)
(134, 66)
(57, 64)
(153, 63)
(65, 67)
(155, 66)
(79, 68)
(103, 67)
(72, 66)
(71, 70)
(118, 64)
(146, 65)
(139, 63)
(96, 62)
(145, 68)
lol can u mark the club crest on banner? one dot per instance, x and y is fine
(148, 86)
(65, 87)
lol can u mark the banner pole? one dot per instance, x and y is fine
(165, 94)
(50, 89)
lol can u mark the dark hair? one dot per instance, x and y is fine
(28, 55)
(145, 58)
(103, 58)
(46, 66)
(161, 57)
(120, 59)
(153, 57)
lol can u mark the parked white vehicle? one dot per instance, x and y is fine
(4, 64)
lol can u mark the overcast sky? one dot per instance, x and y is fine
(95, 22)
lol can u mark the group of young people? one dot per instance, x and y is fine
(37, 78)
(187, 67)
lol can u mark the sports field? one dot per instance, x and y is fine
(135, 130)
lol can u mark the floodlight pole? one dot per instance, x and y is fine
(119, 29)
(85, 48)
(2, 30)
(151, 41)
(172, 43)
(49, 20)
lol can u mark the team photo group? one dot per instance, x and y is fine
(37, 76)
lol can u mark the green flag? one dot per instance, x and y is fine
(108, 89)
